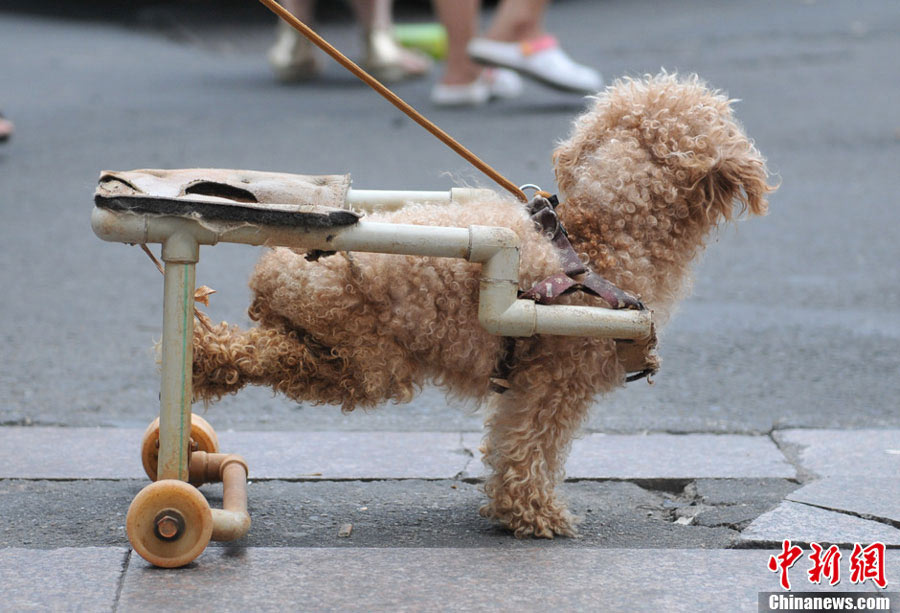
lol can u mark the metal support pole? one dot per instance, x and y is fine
(495, 247)
(180, 253)
(371, 200)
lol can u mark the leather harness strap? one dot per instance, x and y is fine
(576, 276)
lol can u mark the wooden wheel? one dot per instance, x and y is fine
(169, 523)
(201, 433)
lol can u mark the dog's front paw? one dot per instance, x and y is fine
(552, 520)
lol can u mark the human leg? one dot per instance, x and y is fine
(518, 20)
(293, 57)
(464, 82)
(460, 18)
(385, 58)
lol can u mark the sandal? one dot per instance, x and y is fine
(293, 57)
(387, 61)
(491, 84)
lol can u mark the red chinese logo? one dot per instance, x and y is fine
(825, 565)
(865, 563)
(868, 563)
(788, 557)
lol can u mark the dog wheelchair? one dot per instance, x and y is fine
(169, 522)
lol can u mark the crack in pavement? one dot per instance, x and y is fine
(881, 520)
(121, 582)
(791, 453)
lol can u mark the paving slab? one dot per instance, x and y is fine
(844, 453)
(349, 455)
(742, 491)
(413, 579)
(877, 497)
(70, 453)
(804, 524)
(112, 453)
(731, 503)
(665, 456)
(735, 517)
(69, 579)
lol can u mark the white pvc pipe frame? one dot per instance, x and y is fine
(496, 248)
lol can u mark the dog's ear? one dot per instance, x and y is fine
(739, 175)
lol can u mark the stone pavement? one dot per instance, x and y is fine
(671, 522)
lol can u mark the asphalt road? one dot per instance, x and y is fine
(794, 320)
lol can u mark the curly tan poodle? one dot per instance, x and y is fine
(648, 171)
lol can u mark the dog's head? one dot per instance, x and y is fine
(667, 140)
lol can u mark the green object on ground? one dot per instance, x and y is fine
(430, 38)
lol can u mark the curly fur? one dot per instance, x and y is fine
(646, 174)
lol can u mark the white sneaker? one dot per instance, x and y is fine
(504, 83)
(541, 59)
(293, 57)
(491, 83)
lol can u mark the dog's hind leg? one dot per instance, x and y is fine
(228, 358)
(530, 432)
(358, 371)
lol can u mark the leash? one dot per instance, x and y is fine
(393, 98)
